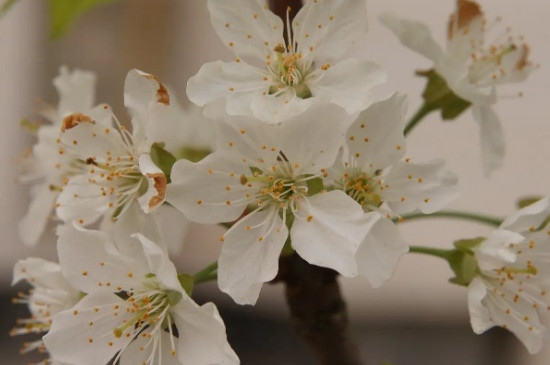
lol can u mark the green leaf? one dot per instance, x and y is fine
(438, 96)
(64, 12)
(187, 283)
(525, 202)
(6, 6)
(163, 159)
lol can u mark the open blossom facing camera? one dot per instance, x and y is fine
(118, 167)
(135, 309)
(268, 171)
(372, 172)
(512, 284)
(272, 79)
(471, 67)
(45, 168)
(51, 294)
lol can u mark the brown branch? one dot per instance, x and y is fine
(317, 311)
(280, 7)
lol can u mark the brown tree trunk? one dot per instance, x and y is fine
(317, 311)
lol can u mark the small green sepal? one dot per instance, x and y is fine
(187, 283)
(468, 244)
(525, 202)
(163, 159)
(438, 95)
(464, 265)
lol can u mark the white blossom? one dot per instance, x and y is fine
(50, 294)
(471, 67)
(265, 171)
(272, 79)
(511, 287)
(118, 165)
(45, 168)
(135, 309)
(371, 170)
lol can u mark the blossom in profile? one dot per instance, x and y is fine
(471, 67)
(51, 293)
(511, 285)
(45, 168)
(273, 79)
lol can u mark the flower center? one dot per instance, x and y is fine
(362, 187)
(289, 72)
(150, 308)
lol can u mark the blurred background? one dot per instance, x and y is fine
(418, 317)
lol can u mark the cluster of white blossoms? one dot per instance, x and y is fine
(302, 158)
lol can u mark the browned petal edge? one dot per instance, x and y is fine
(466, 12)
(162, 94)
(524, 59)
(160, 185)
(72, 120)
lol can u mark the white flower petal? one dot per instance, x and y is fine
(210, 191)
(250, 255)
(491, 138)
(81, 201)
(140, 350)
(32, 225)
(380, 251)
(218, 80)
(496, 251)
(156, 187)
(313, 138)
(245, 26)
(76, 91)
(329, 232)
(330, 27)
(88, 259)
(73, 340)
(203, 340)
(413, 35)
(278, 108)
(528, 218)
(427, 187)
(41, 273)
(349, 83)
(376, 137)
(480, 319)
(159, 263)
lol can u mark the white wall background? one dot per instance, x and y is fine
(419, 289)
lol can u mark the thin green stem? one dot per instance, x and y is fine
(480, 218)
(444, 254)
(208, 273)
(424, 110)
